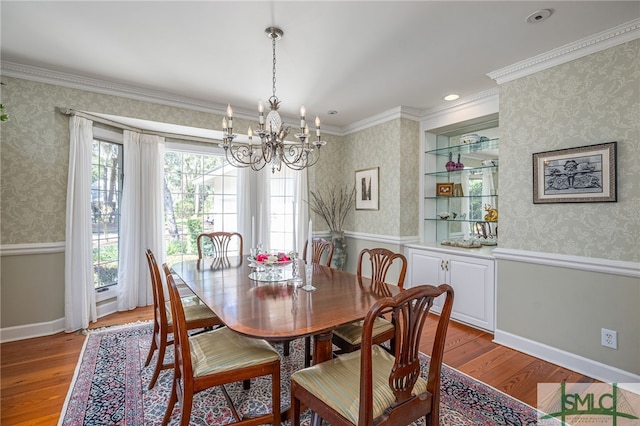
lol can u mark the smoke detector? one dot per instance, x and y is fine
(539, 16)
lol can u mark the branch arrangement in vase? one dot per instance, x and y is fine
(333, 205)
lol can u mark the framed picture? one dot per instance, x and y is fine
(585, 174)
(367, 189)
(444, 189)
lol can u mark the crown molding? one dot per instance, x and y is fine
(43, 75)
(389, 115)
(609, 38)
(478, 105)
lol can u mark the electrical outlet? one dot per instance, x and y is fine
(609, 338)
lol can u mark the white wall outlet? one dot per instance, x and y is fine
(609, 338)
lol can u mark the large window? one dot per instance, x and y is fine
(282, 209)
(106, 192)
(200, 196)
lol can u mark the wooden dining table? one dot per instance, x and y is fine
(279, 311)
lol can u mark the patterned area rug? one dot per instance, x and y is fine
(110, 388)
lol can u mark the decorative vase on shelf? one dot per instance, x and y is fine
(451, 165)
(459, 165)
(339, 250)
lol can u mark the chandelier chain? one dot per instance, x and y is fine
(273, 43)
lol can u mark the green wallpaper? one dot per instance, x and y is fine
(35, 150)
(591, 100)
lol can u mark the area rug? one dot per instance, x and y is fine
(110, 388)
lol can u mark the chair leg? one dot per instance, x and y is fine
(172, 401)
(295, 411)
(186, 405)
(307, 351)
(275, 395)
(159, 365)
(246, 384)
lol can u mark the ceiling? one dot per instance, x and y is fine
(358, 58)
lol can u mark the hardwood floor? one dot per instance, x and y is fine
(36, 373)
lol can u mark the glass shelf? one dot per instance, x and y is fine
(466, 148)
(471, 170)
(456, 197)
(459, 220)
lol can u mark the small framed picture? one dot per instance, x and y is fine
(585, 174)
(444, 189)
(367, 189)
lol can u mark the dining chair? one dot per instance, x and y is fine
(318, 247)
(371, 386)
(218, 245)
(197, 314)
(216, 358)
(348, 337)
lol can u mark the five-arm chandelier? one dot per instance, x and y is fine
(273, 149)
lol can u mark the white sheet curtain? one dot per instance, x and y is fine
(254, 199)
(141, 217)
(302, 209)
(79, 287)
(263, 201)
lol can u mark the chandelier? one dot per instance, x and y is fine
(273, 149)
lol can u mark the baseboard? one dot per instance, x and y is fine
(29, 331)
(579, 364)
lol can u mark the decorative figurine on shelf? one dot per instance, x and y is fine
(459, 165)
(492, 214)
(451, 165)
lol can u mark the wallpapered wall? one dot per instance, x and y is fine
(394, 148)
(35, 152)
(591, 100)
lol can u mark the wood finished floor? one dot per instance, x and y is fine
(36, 373)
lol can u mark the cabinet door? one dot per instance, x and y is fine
(472, 280)
(424, 268)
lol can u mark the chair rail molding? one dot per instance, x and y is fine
(31, 248)
(605, 266)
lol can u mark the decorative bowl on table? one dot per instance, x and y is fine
(268, 259)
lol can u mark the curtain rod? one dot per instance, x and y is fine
(89, 116)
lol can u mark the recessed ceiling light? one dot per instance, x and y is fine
(332, 112)
(539, 16)
(451, 97)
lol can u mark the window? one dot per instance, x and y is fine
(283, 189)
(106, 193)
(200, 196)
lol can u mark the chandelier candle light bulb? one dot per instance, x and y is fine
(230, 115)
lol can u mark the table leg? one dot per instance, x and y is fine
(322, 347)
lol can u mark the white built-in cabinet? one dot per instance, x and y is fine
(471, 274)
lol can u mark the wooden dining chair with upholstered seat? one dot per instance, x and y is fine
(197, 314)
(220, 247)
(371, 386)
(318, 248)
(216, 358)
(348, 337)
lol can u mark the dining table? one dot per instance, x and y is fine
(275, 308)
